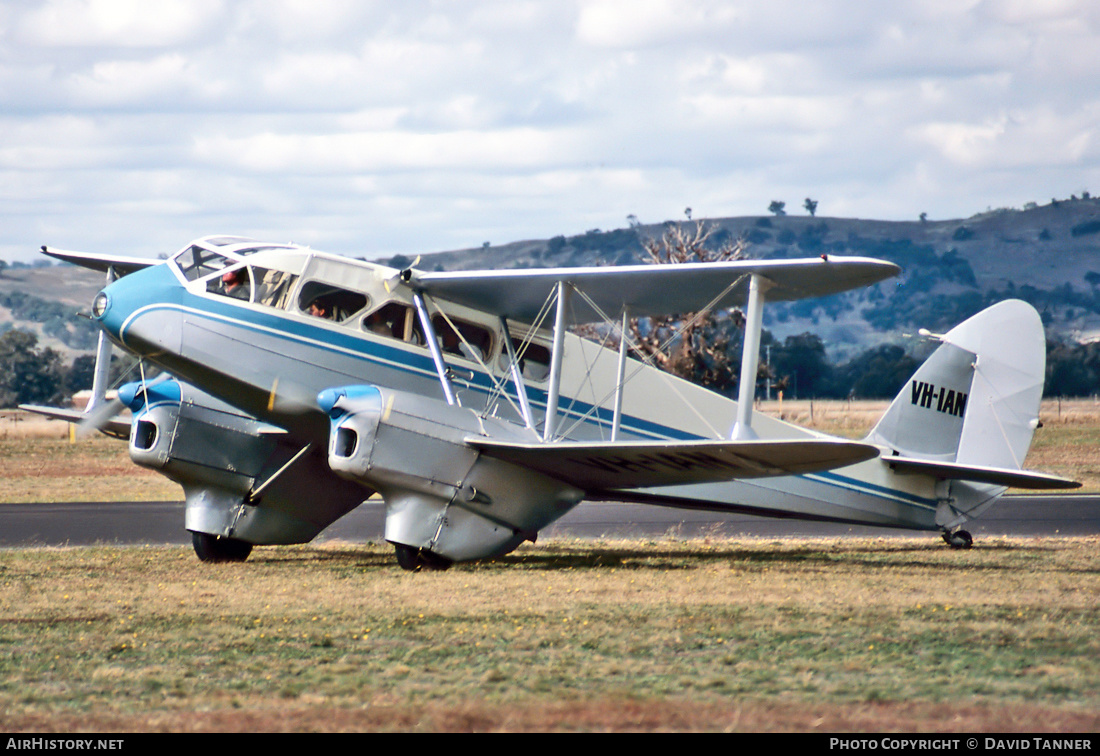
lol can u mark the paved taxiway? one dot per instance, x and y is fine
(162, 522)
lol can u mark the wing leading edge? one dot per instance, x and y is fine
(649, 290)
(603, 466)
(120, 264)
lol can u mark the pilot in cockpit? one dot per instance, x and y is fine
(235, 284)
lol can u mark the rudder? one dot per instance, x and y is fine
(975, 400)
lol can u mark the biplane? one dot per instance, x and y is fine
(294, 384)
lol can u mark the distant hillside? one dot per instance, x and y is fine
(45, 298)
(1048, 255)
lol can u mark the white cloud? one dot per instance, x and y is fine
(643, 23)
(163, 81)
(118, 23)
(365, 152)
(343, 123)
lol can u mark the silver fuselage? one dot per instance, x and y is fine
(271, 361)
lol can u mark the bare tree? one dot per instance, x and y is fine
(695, 346)
(811, 206)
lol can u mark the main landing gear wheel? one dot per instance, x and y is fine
(211, 548)
(413, 559)
(960, 539)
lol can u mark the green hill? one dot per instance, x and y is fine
(1048, 255)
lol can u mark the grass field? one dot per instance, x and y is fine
(891, 634)
(751, 634)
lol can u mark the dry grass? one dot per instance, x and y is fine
(41, 460)
(744, 634)
(839, 418)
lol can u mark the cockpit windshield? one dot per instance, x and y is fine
(206, 256)
(196, 262)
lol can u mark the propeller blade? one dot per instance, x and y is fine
(390, 283)
(98, 418)
(286, 397)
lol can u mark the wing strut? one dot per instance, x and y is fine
(555, 363)
(433, 347)
(102, 360)
(620, 378)
(517, 375)
(750, 358)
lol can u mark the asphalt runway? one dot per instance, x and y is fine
(162, 522)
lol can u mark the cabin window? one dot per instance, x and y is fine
(274, 287)
(478, 341)
(395, 320)
(196, 262)
(330, 302)
(534, 360)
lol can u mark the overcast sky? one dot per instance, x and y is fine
(371, 128)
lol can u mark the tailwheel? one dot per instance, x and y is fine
(414, 559)
(211, 548)
(959, 539)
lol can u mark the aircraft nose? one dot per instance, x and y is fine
(132, 309)
(102, 311)
(100, 305)
(110, 308)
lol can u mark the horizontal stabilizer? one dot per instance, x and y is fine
(601, 466)
(113, 427)
(121, 265)
(994, 475)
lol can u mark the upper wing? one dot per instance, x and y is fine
(649, 290)
(974, 474)
(121, 265)
(601, 466)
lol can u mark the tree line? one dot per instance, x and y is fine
(800, 367)
(30, 374)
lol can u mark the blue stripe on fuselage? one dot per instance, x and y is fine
(380, 354)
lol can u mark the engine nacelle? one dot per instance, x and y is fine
(220, 456)
(441, 495)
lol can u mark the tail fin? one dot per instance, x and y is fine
(975, 401)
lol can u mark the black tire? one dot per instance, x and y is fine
(413, 559)
(960, 539)
(211, 548)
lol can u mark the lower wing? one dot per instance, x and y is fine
(603, 466)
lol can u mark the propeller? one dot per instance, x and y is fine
(103, 411)
(287, 397)
(402, 276)
(98, 418)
